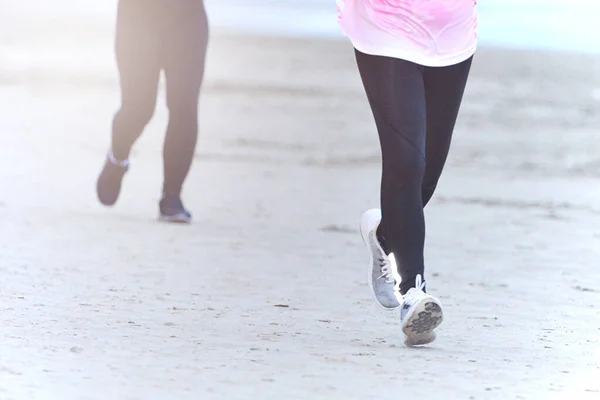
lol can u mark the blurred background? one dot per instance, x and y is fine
(264, 295)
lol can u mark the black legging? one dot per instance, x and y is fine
(415, 110)
(154, 36)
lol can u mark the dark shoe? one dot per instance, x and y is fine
(109, 182)
(172, 210)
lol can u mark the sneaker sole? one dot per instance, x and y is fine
(364, 231)
(175, 219)
(420, 324)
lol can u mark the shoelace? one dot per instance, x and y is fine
(409, 296)
(413, 294)
(386, 270)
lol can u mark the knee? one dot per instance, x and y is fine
(183, 113)
(429, 185)
(427, 190)
(431, 178)
(186, 113)
(183, 125)
(407, 168)
(183, 104)
(137, 115)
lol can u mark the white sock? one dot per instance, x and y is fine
(113, 159)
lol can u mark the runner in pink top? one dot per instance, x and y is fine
(434, 33)
(414, 58)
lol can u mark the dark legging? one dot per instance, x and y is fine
(415, 110)
(154, 36)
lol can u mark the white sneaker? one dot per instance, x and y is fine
(421, 313)
(380, 274)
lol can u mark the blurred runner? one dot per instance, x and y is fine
(154, 36)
